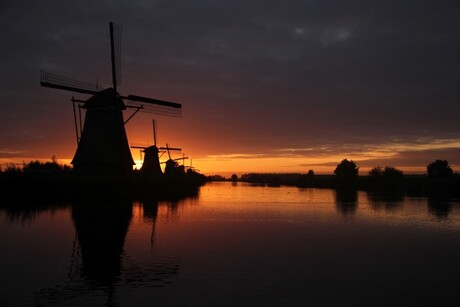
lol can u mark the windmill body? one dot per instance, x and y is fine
(151, 163)
(103, 146)
(173, 168)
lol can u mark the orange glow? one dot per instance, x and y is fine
(228, 160)
(226, 165)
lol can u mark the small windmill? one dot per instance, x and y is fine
(191, 168)
(172, 167)
(102, 142)
(151, 164)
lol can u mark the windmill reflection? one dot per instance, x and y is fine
(98, 261)
(101, 229)
(150, 210)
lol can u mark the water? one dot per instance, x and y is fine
(234, 245)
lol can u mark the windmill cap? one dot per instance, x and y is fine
(108, 98)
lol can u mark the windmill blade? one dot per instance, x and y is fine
(115, 48)
(139, 147)
(48, 79)
(154, 108)
(154, 101)
(167, 149)
(183, 158)
(154, 133)
(170, 148)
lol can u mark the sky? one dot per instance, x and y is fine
(266, 86)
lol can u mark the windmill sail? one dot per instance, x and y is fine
(48, 79)
(155, 109)
(115, 48)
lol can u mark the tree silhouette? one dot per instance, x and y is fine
(439, 169)
(392, 172)
(376, 171)
(234, 178)
(387, 172)
(389, 179)
(346, 173)
(346, 169)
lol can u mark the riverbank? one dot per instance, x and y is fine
(410, 185)
(52, 182)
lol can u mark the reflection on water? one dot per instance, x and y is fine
(98, 261)
(439, 207)
(387, 202)
(346, 201)
(26, 212)
(101, 228)
(235, 244)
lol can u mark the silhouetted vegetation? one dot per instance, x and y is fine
(439, 169)
(271, 179)
(388, 179)
(388, 182)
(346, 174)
(441, 181)
(306, 180)
(216, 178)
(53, 182)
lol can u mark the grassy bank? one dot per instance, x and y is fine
(50, 181)
(411, 185)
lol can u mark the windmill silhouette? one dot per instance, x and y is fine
(103, 147)
(151, 164)
(172, 167)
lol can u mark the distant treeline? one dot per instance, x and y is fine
(438, 181)
(416, 185)
(51, 181)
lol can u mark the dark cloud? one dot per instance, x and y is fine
(254, 76)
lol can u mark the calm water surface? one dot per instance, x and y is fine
(234, 245)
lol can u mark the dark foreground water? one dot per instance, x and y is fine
(234, 245)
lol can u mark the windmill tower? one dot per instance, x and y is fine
(103, 147)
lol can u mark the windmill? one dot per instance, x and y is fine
(191, 168)
(151, 164)
(172, 167)
(102, 142)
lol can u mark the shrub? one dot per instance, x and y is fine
(346, 169)
(439, 169)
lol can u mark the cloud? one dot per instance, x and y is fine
(333, 77)
(9, 152)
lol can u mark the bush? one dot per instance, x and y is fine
(439, 169)
(346, 169)
(388, 179)
(346, 173)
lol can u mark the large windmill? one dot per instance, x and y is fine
(103, 147)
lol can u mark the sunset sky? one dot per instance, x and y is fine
(266, 86)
